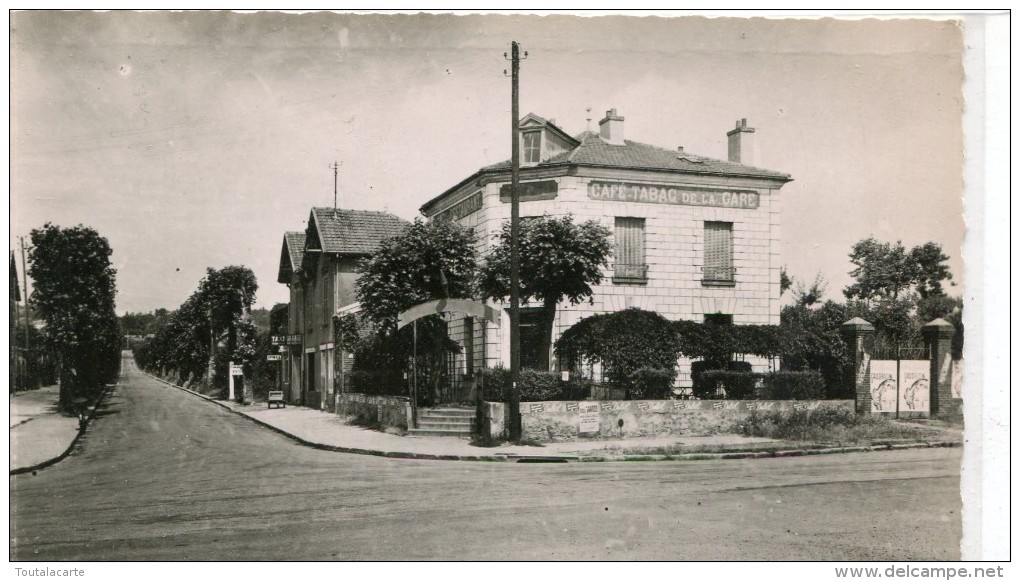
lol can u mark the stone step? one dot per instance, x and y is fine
(431, 432)
(447, 412)
(439, 425)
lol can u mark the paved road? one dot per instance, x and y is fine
(164, 475)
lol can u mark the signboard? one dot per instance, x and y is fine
(274, 358)
(914, 385)
(236, 370)
(531, 191)
(883, 386)
(466, 207)
(588, 412)
(667, 194)
(286, 339)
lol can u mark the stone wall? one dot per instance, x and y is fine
(375, 410)
(559, 421)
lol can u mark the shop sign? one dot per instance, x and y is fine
(466, 207)
(531, 191)
(678, 196)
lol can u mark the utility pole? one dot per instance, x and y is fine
(515, 259)
(29, 363)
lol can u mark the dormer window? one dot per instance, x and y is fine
(532, 146)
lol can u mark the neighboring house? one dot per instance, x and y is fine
(695, 238)
(320, 266)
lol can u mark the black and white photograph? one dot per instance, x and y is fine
(390, 286)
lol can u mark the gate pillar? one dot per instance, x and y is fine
(938, 335)
(860, 339)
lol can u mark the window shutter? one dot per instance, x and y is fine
(718, 250)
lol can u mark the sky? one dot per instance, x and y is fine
(195, 140)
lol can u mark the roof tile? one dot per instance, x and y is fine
(355, 231)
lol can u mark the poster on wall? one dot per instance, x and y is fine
(588, 412)
(914, 386)
(883, 386)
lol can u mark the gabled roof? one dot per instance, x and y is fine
(291, 255)
(343, 231)
(593, 151)
(531, 118)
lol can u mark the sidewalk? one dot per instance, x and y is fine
(329, 431)
(40, 435)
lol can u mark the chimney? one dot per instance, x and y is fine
(741, 143)
(611, 128)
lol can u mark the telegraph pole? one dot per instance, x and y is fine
(515, 259)
(24, 284)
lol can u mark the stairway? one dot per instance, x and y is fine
(457, 422)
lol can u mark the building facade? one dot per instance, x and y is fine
(695, 238)
(320, 267)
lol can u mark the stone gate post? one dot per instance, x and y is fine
(938, 336)
(860, 338)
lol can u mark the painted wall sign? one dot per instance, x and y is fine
(883, 386)
(914, 385)
(531, 191)
(588, 415)
(666, 194)
(465, 207)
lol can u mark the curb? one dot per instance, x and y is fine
(81, 431)
(554, 459)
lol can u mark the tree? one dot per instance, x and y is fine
(75, 290)
(222, 303)
(884, 270)
(559, 260)
(428, 261)
(808, 296)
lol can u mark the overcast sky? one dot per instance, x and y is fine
(193, 140)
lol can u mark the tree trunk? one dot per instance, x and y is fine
(548, 316)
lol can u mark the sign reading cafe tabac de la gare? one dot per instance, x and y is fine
(666, 194)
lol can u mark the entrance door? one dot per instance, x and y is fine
(311, 372)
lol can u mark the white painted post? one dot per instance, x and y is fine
(230, 373)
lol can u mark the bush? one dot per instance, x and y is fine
(737, 384)
(378, 382)
(649, 383)
(534, 385)
(792, 385)
(705, 387)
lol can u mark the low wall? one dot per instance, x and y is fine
(375, 410)
(559, 421)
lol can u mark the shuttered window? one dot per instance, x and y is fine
(629, 263)
(718, 266)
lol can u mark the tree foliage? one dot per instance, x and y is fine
(429, 261)
(559, 261)
(219, 309)
(75, 292)
(884, 271)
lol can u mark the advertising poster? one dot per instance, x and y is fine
(883, 386)
(588, 411)
(914, 377)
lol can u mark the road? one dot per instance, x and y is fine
(164, 475)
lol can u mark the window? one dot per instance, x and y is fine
(630, 264)
(719, 319)
(532, 147)
(718, 267)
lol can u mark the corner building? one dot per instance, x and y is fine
(695, 238)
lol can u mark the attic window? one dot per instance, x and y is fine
(532, 146)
